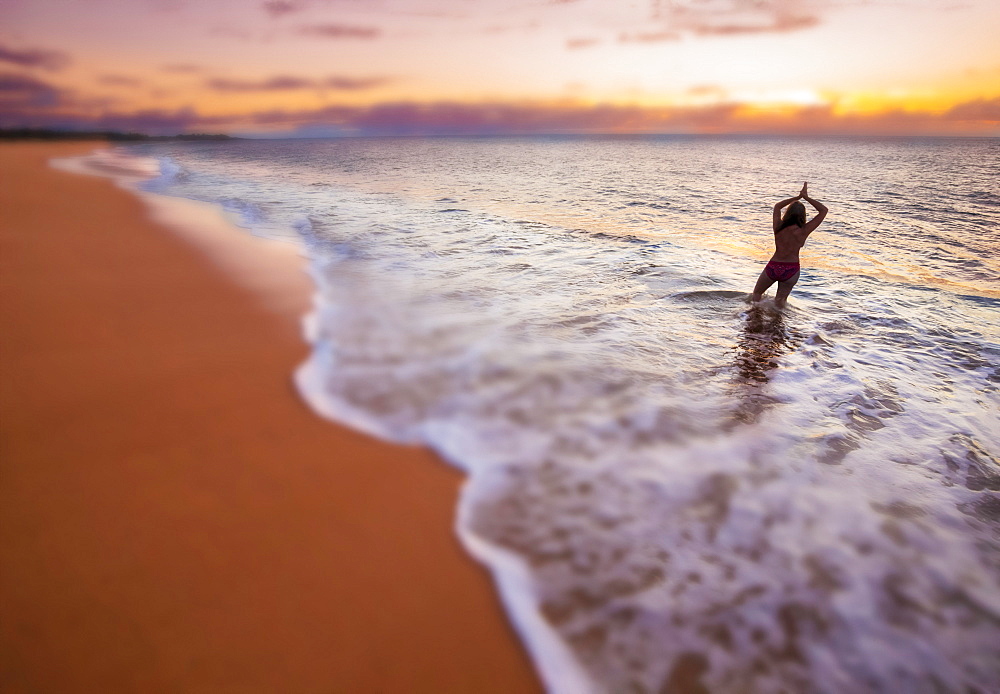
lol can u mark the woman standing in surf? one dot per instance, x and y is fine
(790, 233)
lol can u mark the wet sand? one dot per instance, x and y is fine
(172, 517)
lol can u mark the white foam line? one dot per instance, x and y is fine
(559, 670)
(309, 383)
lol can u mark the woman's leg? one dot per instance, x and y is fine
(763, 282)
(784, 289)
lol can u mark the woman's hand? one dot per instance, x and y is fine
(804, 193)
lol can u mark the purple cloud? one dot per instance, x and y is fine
(34, 57)
(354, 83)
(150, 121)
(153, 121)
(279, 8)
(340, 31)
(409, 118)
(21, 91)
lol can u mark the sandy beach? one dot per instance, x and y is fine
(172, 517)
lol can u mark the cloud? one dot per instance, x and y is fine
(739, 17)
(148, 121)
(977, 110)
(355, 83)
(340, 31)
(18, 92)
(671, 20)
(27, 102)
(279, 8)
(34, 57)
(153, 121)
(411, 118)
(779, 24)
(279, 83)
(288, 82)
(119, 80)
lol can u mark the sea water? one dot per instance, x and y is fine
(673, 488)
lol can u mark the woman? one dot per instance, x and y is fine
(790, 233)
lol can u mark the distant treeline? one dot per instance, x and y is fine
(46, 134)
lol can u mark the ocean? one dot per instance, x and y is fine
(671, 487)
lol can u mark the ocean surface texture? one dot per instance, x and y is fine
(672, 488)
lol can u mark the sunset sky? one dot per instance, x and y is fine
(325, 67)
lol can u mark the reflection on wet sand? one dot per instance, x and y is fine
(762, 340)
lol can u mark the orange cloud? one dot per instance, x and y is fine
(119, 80)
(288, 82)
(780, 23)
(649, 37)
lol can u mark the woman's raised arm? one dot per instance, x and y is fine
(820, 208)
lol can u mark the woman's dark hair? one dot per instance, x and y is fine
(795, 214)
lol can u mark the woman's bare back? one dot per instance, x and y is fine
(787, 244)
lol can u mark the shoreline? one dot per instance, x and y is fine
(174, 518)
